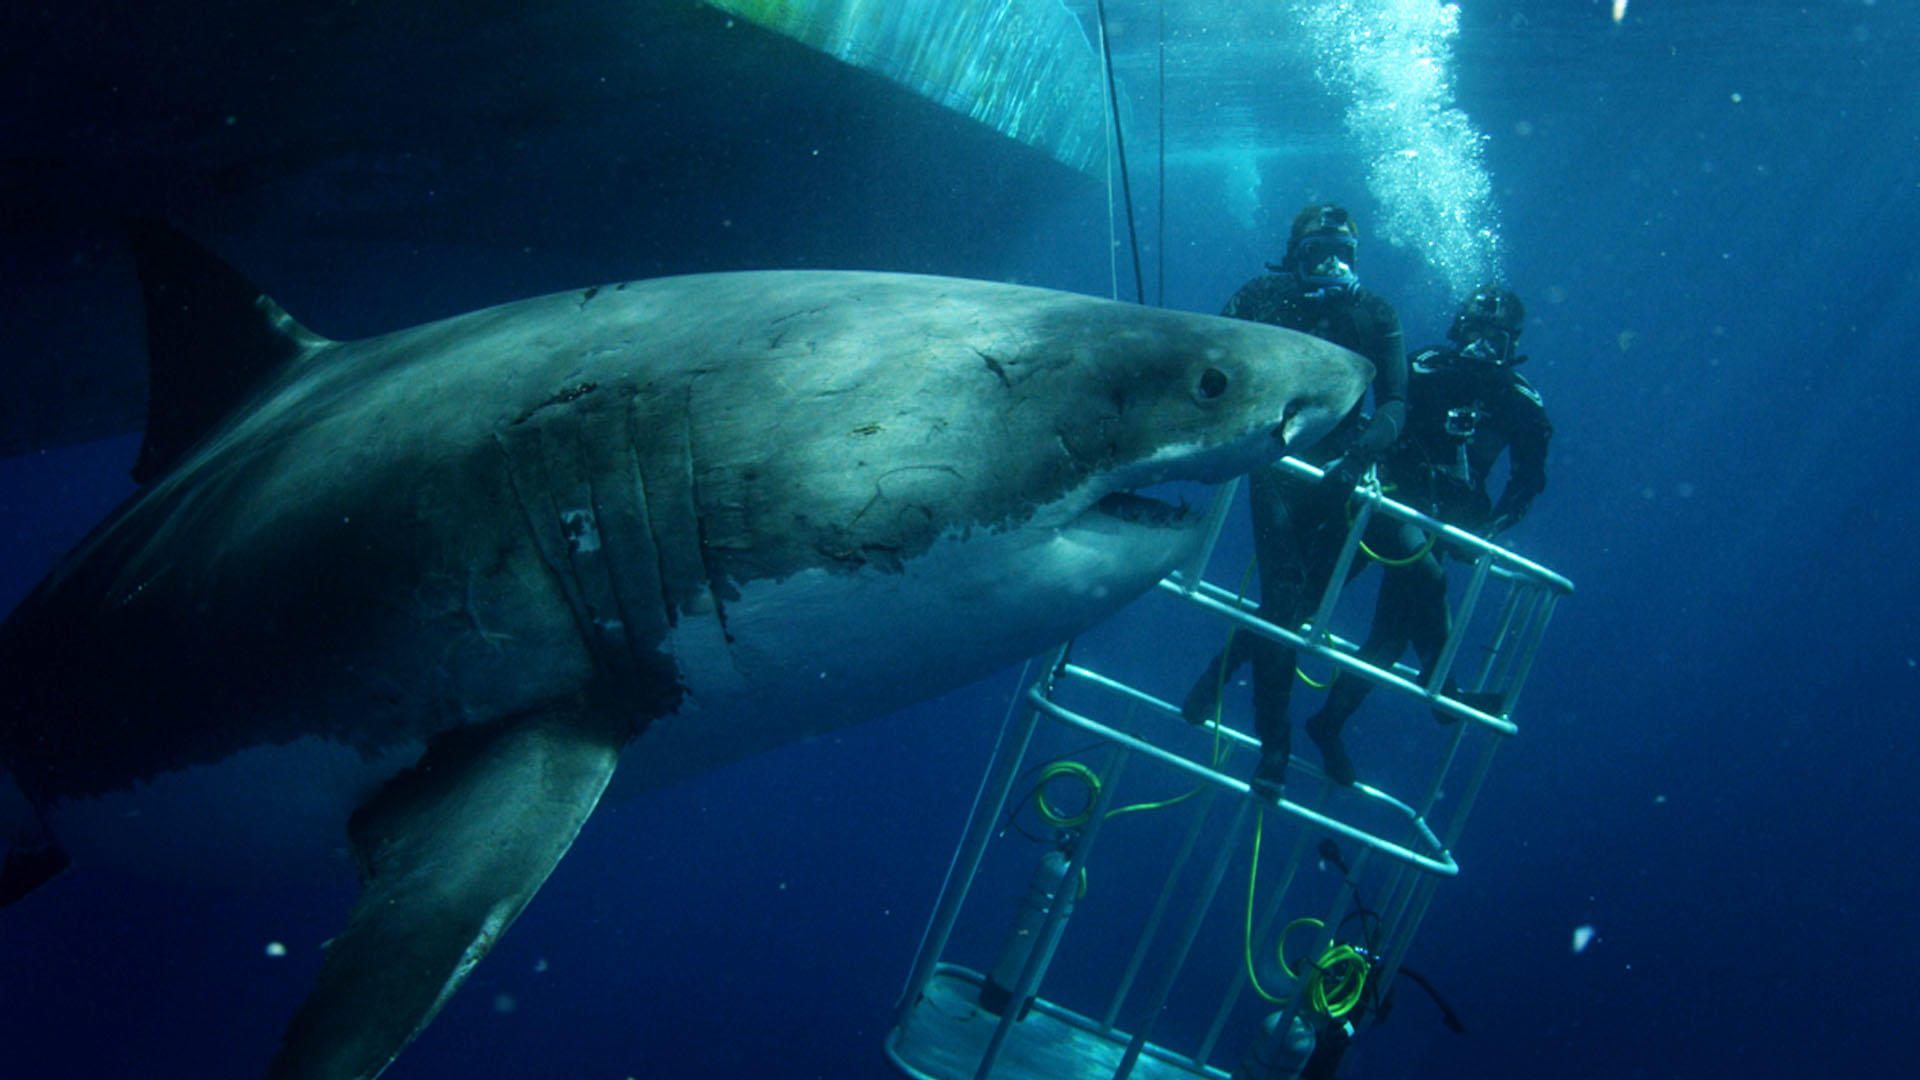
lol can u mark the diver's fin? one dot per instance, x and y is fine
(450, 852)
(212, 337)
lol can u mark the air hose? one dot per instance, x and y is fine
(1345, 966)
(1383, 560)
(1056, 818)
(1060, 820)
(1337, 980)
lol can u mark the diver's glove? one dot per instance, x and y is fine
(1373, 442)
(1505, 516)
(1382, 431)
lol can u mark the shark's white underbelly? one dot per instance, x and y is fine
(823, 649)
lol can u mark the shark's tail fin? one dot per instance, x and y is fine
(212, 338)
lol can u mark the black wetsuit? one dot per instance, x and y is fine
(1298, 527)
(1462, 415)
(1441, 463)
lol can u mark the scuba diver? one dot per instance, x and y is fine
(1370, 1006)
(1466, 405)
(1334, 996)
(1299, 525)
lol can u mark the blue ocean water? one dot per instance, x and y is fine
(1712, 209)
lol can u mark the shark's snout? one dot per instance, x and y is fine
(1327, 385)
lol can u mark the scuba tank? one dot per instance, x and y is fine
(1280, 1053)
(1023, 937)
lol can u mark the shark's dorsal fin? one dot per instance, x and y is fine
(212, 338)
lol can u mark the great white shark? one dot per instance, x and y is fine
(431, 589)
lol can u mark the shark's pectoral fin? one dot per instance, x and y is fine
(450, 852)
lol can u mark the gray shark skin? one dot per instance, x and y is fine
(443, 582)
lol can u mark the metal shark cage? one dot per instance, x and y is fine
(1133, 958)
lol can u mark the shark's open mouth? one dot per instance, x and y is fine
(1165, 508)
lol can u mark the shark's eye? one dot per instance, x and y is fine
(1213, 383)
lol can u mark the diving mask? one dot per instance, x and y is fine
(1488, 345)
(1327, 261)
